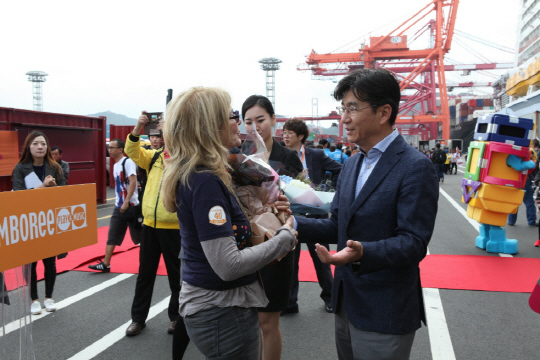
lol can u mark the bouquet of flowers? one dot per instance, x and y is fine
(257, 184)
(305, 199)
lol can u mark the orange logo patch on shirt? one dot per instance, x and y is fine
(217, 216)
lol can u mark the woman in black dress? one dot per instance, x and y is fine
(257, 111)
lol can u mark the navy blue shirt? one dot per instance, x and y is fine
(207, 211)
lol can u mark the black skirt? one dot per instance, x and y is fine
(276, 280)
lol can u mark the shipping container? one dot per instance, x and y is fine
(479, 102)
(82, 139)
(472, 102)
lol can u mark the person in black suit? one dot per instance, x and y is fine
(295, 133)
(383, 216)
(257, 111)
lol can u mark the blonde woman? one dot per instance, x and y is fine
(220, 289)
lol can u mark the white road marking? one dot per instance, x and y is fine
(462, 211)
(439, 336)
(15, 325)
(116, 335)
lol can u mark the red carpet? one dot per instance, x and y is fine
(484, 273)
(459, 272)
(80, 257)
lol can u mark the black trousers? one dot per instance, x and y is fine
(50, 278)
(324, 274)
(154, 243)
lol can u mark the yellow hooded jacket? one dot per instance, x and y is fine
(152, 205)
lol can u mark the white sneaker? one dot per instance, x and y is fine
(50, 306)
(35, 309)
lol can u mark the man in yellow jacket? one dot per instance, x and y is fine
(161, 235)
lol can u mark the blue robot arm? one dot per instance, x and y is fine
(518, 164)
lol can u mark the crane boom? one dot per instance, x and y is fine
(426, 66)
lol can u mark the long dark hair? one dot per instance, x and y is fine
(27, 155)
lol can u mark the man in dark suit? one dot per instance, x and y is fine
(383, 215)
(315, 161)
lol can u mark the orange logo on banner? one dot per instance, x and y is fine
(42, 223)
(217, 216)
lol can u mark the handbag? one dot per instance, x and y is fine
(134, 215)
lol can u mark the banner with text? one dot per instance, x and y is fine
(41, 223)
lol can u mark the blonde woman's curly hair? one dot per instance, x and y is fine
(195, 131)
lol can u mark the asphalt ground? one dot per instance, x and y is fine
(93, 313)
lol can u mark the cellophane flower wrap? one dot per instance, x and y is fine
(256, 184)
(306, 200)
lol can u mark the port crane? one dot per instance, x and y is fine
(392, 52)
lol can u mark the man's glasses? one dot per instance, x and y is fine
(351, 109)
(288, 133)
(113, 147)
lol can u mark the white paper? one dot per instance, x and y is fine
(31, 181)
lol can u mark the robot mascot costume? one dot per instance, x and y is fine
(498, 163)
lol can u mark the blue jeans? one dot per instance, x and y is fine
(229, 333)
(528, 200)
(440, 170)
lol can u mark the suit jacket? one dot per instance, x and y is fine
(318, 164)
(393, 217)
(21, 170)
(285, 161)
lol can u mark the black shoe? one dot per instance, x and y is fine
(534, 224)
(328, 308)
(291, 310)
(100, 267)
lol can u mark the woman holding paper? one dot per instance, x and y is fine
(37, 169)
(220, 292)
(258, 112)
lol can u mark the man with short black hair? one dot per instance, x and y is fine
(439, 159)
(125, 179)
(315, 161)
(56, 153)
(383, 216)
(156, 138)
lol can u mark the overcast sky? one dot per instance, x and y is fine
(122, 56)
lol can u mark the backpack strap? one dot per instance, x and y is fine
(154, 159)
(124, 170)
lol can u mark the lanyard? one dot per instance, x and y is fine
(303, 154)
